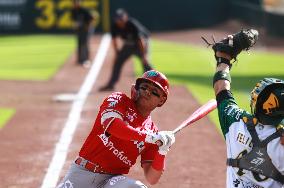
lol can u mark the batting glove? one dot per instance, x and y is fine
(168, 141)
(152, 138)
(162, 137)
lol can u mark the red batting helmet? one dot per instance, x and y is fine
(155, 77)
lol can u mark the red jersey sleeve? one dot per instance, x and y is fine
(121, 130)
(114, 106)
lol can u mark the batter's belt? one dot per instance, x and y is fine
(93, 167)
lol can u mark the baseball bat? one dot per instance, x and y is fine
(197, 115)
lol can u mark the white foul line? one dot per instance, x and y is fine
(61, 149)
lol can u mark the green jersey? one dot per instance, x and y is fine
(239, 142)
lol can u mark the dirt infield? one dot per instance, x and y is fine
(27, 142)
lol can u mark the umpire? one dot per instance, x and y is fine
(84, 29)
(135, 39)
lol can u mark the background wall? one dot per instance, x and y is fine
(162, 15)
(268, 14)
(53, 16)
(40, 16)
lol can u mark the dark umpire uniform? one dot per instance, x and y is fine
(84, 30)
(135, 42)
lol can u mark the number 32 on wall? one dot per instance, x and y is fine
(58, 14)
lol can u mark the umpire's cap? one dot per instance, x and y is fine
(119, 14)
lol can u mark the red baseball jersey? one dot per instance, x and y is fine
(115, 155)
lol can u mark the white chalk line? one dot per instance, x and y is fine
(61, 149)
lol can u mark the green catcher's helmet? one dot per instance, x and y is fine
(267, 101)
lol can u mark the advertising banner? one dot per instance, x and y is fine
(44, 16)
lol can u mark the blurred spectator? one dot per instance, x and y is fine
(135, 38)
(83, 24)
(276, 6)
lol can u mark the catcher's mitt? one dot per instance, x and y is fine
(235, 43)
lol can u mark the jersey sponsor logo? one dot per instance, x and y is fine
(236, 183)
(66, 184)
(119, 154)
(245, 184)
(139, 145)
(115, 179)
(112, 103)
(114, 99)
(131, 115)
(116, 96)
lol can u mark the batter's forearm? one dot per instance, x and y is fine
(153, 171)
(120, 129)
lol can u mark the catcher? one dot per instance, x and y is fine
(255, 142)
(123, 130)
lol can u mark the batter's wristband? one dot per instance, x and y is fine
(223, 60)
(221, 75)
(159, 162)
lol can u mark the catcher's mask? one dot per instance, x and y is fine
(155, 77)
(267, 101)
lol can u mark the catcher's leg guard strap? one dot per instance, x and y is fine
(221, 75)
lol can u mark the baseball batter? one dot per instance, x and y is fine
(255, 142)
(123, 130)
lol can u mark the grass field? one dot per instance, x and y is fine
(39, 57)
(5, 115)
(194, 66)
(32, 58)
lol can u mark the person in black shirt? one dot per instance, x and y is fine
(135, 39)
(84, 29)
